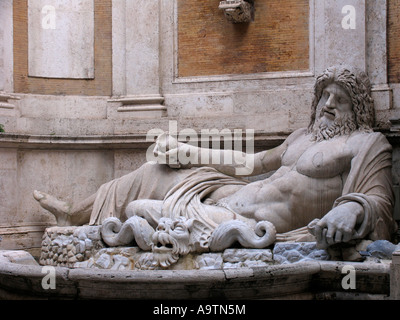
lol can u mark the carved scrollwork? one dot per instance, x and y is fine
(115, 233)
(227, 233)
(174, 238)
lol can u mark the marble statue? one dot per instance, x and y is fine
(331, 182)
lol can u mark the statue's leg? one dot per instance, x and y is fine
(220, 214)
(150, 181)
(147, 209)
(65, 213)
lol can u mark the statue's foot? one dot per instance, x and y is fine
(58, 208)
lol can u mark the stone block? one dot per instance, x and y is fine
(61, 39)
(17, 256)
(234, 258)
(209, 261)
(395, 276)
(345, 23)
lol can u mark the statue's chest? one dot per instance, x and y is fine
(326, 159)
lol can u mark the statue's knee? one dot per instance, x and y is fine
(155, 169)
(152, 165)
(135, 208)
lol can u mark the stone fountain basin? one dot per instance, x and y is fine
(302, 280)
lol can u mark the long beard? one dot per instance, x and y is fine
(343, 125)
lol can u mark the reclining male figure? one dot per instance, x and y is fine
(336, 170)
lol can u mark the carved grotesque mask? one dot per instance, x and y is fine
(172, 239)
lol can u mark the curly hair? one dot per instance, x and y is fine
(357, 85)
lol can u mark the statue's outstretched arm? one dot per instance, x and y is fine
(230, 162)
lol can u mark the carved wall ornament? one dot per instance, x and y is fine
(238, 11)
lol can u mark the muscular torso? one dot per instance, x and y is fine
(305, 187)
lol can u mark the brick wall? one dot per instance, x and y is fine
(394, 41)
(100, 85)
(277, 40)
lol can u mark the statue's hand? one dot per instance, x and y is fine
(164, 143)
(338, 225)
(166, 150)
(173, 153)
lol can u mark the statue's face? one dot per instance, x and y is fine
(171, 239)
(173, 234)
(335, 103)
(335, 114)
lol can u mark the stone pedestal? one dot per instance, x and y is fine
(82, 247)
(395, 276)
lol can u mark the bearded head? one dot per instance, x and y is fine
(355, 85)
(171, 240)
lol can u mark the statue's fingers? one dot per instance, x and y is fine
(311, 226)
(347, 234)
(172, 157)
(156, 148)
(338, 236)
(330, 235)
(317, 230)
(320, 234)
(161, 143)
(323, 244)
(172, 152)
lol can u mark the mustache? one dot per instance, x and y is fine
(325, 110)
(344, 124)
